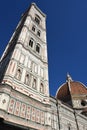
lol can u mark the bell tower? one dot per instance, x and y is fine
(24, 64)
(24, 88)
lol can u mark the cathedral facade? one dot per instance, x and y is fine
(25, 102)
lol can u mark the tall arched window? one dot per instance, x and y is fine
(69, 126)
(38, 33)
(38, 48)
(37, 19)
(33, 28)
(31, 42)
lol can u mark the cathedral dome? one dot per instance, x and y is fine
(70, 88)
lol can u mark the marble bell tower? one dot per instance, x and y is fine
(24, 86)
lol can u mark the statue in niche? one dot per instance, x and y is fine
(41, 88)
(34, 83)
(18, 74)
(27, 79)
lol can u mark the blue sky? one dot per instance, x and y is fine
(66, 35)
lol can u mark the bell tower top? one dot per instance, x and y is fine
(37, 15)
(33, 4)
(38, 18)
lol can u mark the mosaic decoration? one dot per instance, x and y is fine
(33, 114)
(23, 110)
(42, 117)
(11, 106)
(17, 108)
(38, 116)
(28, 112)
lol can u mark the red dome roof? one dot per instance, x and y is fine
(76, 88)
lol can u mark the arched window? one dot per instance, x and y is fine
(31, 42)
(38, 33)
(33, 28)
(69, 126)
(83, 103)
(18, 74)
(38, 48)
(37, 19)
(41, 88)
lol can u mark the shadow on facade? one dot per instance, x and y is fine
(5, 126)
